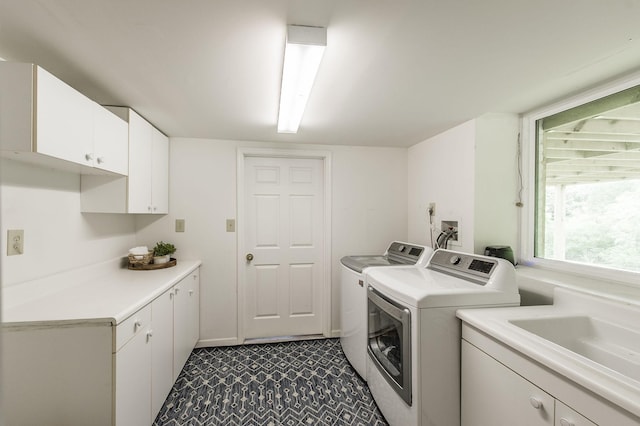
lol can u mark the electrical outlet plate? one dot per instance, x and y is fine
(179, 225)
(431, 210)
(15, 242)
(231, 225)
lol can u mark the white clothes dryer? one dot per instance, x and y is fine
(353, 295)
(413, 362)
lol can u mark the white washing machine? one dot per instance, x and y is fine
(413, 348)
(353, 295)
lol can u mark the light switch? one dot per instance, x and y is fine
(231, 225)
(179, 225)
(15, 242)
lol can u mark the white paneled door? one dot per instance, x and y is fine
(283, 240)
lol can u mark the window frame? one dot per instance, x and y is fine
(528, 166)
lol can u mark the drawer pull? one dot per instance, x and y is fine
(565, 422)
(535, 403)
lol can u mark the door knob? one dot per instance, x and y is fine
(249, 257)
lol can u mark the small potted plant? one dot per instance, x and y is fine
(162, 252)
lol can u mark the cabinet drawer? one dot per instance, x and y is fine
(566, 416)
(133, 325)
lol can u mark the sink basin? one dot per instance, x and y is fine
(608, 344)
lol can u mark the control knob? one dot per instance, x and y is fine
(454, 260)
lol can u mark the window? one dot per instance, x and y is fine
(587, 175)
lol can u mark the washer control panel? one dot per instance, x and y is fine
(463, 264)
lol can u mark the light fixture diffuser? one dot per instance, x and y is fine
(302, 55)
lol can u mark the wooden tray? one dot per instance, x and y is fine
(151, 266)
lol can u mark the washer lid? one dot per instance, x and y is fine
(398, 253)
(359, 263)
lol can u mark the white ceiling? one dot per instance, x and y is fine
(394, 72)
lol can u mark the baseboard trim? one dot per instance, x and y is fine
(229, 341)
(278, 339)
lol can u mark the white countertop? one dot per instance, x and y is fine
(102, 293)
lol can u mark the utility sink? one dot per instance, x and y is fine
(606, 343)
(591, 340)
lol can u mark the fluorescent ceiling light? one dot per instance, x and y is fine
(302, 55)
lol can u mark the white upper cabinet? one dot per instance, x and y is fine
(146, 189)
(110, 141)
(64, 120)
(159, 172)
(45, 121)
(140, 151)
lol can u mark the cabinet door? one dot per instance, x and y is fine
(183, 316)
(493, 395)
(139, 185)
(565, 416)
(161, 351)
(110, 141)
(159, 172)
(194, 308)
(133, 381)
(64, 120)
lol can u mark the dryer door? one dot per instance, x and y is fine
(389, 341)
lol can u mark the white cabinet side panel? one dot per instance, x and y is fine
(67, 371)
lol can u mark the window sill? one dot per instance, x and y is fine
(536, 285)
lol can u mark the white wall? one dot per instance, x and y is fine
(57, 237)
(470, 172)
(441, 170)
(369, 209)
(496, 181)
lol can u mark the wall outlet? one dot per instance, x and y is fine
(179, 225)
(231, 225)
(15, 242)
(431, 210)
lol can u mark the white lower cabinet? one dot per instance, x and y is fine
(494, 395)
(161, 351)
(90, 372)
(186, 311)
(565, 416)
(132, 370)
(158, 341)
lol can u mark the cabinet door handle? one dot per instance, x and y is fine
(88, 156)
(190, 292)
(137, 324)
(177, 289)
(535, 402)
(149, 335)
(100, 160)
(565, 422)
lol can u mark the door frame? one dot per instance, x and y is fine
(325, 156)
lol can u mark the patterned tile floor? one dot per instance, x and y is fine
(306, 382)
